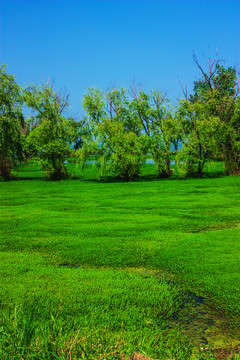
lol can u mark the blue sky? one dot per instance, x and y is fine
(101, 43)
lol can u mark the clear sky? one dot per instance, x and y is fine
(100, 43)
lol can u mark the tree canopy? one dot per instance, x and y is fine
(11, 123)
(123, 128)
(51, 133)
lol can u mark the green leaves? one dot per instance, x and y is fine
(123, 128)
(11, 123)
(51, 135)
(154, 114)
(199, 136)
(217, 94)
(115, 138)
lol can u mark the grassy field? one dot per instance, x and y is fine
(97, 270)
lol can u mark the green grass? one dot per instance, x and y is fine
(141, 266)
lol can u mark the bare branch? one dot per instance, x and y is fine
(62, 99)
(211, 63)
(184, 89)
(196, 62)
(135, 89)
(211, 66)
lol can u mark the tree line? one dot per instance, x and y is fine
(123, 128)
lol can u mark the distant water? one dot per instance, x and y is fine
(148, 161)
(151, 161)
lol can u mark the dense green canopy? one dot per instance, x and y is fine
(122, 128)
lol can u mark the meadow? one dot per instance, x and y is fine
(103, 270)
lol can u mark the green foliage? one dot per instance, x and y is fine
(121, 131)
(93, 104)
(124, 152)
(124, 132)
(198, 136)
(119, 107)
(79, 128)
(218, 93)
(229, 138)
(51, 133)
(219, 78)
(207, 124)
(11, 123)
(114, 138)
(154, 114)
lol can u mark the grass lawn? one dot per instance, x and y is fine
(95, 270)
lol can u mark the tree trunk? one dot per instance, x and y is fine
(5, 167)
(168, 166)
(200, 169)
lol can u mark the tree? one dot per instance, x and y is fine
(198, 136)
(79, 129)
(206, 119)
(11, 123)
(218, 89)
(51, 133)
(115, 140)
(154, 114)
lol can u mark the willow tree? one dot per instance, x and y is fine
(11, 123)
(51, 132)
(115, 139)
(198, 134)
(154, 114)
(218, 91)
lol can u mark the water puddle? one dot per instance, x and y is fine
(196, 321)
(69, 266)
(201, 326)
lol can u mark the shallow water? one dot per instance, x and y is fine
(195, 320)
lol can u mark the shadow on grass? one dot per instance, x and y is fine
(116, 179)
(31, 171)
(150, 177)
